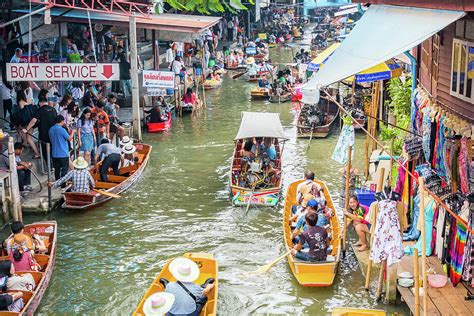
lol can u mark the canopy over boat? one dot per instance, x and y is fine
(258, 124)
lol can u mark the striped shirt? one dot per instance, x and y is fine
(81, 178)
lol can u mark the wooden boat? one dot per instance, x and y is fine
(115, 185)
(314, 273)
(261, 57)
(208, 269)
(212, 84)
(47, 231)
(331, 112)
(263, 191)
(347, 311)
(239, 67)
(259, 93)
(254, 78)
(279, 99)
(160, 127)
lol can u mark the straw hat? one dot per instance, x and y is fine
(158, 304)
(306, 198)
(128, 149)
(184, 269)
(125, 140)
(80, 163)
(250, 60)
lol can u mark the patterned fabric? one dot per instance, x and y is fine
(387, 238)
(457, 255)
(346, 139)
(439, 163)
(426, 128)
(468, 253)
(463, 165)
(81, 178)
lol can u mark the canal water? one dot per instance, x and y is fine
(108, 257)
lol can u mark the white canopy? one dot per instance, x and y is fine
(259, 124)
(383, 32)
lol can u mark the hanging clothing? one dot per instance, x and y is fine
(457, 255)
(463, 165)
(426, 128)
(439, 162)
(429, 214)
(346, 139)
(387, 239)
(399, 185)
(440, 226)
(468, 252)
(413, 233)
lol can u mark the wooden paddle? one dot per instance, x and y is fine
(239, 75)
(267, 267)
(250, 200)
(115, 196)
(310, 137)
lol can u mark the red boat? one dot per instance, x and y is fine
(159, 127)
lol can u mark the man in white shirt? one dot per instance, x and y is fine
(17, 57)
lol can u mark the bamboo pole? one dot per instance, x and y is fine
(391, 161)
(372, 230)
(416, 275)
(383, 268)
(346, 202)
(423, 244)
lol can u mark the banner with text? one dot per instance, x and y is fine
(158, 79)
(62, 72)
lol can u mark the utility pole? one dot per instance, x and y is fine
(137, 132)
(16, 201)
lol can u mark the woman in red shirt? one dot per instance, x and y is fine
(190, 98)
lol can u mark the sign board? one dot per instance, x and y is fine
(62, 72)
(158, 79)
(262, 36)
(155, 92)
(251, 50)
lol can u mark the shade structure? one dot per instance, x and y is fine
(387, 70)
(319, 61)
(383, 32)
(260, 124)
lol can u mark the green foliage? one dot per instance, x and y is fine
(399, 104)
(207, 6)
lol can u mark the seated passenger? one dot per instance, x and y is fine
(129, 158)
(299, 210)
(190, 98)
(21, 248)
(270, 148)
(247, 153)
(311, 207)
(263, 82)
(154, 115)
(9, 281)
(190, 298)
(357, 213)
(258, 148)
(317, 239)
(82, 180)
(308, 186)
(11, 302)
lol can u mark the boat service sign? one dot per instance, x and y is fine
(62, 72)
(158, 79)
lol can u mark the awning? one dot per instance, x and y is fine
(322, 57)
(382, 33)
(259, 124)
(387, 70)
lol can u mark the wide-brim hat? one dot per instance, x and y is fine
(129, 149)
(158, 304)
(80, 163)
(125, 140)
(184, 269)
(250, 60)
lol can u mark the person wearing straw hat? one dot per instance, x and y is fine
(190, 298)
(158, 304)
(82, 180)
(129, 158)
(126, 140)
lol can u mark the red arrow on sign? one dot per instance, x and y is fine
(107, 71)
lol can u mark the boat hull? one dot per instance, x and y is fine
(331, 115)
(259, 94)
(319, 273)
(159, 127)
(347, 311)
(242, 196)
(208, 269)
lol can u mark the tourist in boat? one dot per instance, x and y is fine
(154, 115)
(190, 98)
(233, 63)
(129, 157)
(12, 302)
(85, 130)
(263, 82)
(258, 148)
(307, 186)
(269, 148)
(111, 158)
(300, 226)
(22, 168)
(300, 209)
(190, 298)
(9, 281)
(317, 239)
(60, 139)
(82, 181)
(215, 76)
(247, 153)
(21, 248)
(357, 213)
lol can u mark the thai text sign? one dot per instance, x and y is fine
(158, 79)
(62, 72)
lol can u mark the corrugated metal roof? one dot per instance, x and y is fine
(456, 5)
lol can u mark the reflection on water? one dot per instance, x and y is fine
(108, 257)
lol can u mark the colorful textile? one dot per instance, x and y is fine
(439, 163)
(429, 215)
(426, 128)
(457, 255)
(468, 253)
(463, 165)
(387, 239)
(346, 139)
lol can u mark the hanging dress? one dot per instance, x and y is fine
(346, 139)
(387, 239)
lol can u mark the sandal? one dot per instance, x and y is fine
(363, 248)
(357, 244)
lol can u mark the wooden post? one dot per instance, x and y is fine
(353, 92)
(48, 163)
(383, 268)
(391, 161)
(16, 201)
(372, 230)
(416, 275)
(346, 202)
(421, 182)
(134, 77)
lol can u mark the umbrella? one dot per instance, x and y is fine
(319, 61)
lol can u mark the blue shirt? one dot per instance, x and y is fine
(271, 152)
(59, 141)
(183, 303)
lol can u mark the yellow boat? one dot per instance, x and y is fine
(347, 311)
(314, 273)
(208, 269)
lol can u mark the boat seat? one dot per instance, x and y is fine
(141, 157)
(104, 185)
(37, 276)
(329, 259)
(129, 169)
(115, 179)
(42, 260)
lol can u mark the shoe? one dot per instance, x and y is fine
(164, 282)
(208, 281)
(28, 188)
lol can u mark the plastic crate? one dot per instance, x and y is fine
(366, 197)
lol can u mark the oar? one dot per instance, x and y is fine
(239, 75)
(267, 267)
(310, 137)
(115, 196)
(250, 200)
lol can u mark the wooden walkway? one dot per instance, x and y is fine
(448, 300)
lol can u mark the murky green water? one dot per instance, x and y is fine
(108, 257)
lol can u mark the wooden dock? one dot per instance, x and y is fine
(448, 300)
